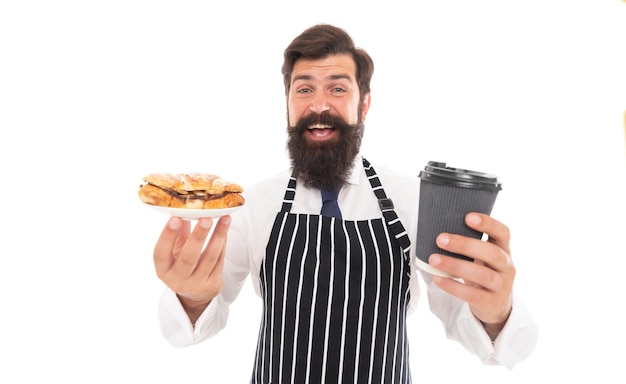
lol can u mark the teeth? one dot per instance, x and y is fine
(319, 126)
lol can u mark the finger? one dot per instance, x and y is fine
(471, 273)
(497, 232)
(488, 253)
(468, 293)
(192, 249)
(216, 278)
(213, 255)
(164, 250)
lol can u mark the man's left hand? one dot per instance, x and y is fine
(487, 283)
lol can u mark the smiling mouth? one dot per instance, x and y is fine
(321, 130)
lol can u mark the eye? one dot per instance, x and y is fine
(338, 90)
(304, 90)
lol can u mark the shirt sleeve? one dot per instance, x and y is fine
(514, 343)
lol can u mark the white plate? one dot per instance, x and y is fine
(194, 214)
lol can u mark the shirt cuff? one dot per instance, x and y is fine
(514, 343)
(176, 326)
(518, 338)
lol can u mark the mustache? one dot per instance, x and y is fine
(324, 118)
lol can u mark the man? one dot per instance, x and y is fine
(336, 290)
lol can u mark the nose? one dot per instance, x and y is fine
(319, 104)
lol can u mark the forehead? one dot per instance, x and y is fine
(329, 67)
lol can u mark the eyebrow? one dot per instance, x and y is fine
(331, 77)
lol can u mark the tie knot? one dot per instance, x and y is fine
(330, 207)
(329, 194)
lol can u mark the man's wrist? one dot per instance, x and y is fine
(494, 329)
(193, 308)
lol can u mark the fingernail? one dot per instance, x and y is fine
(473, 219)
(175, 223)
(434, 260)
(443, 240)
(205, 223)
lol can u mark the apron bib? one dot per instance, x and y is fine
(335, 297)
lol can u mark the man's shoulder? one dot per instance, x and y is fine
(394, 175)
(269, 185)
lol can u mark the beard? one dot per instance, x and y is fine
(324, 164)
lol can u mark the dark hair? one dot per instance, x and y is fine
(323, 40)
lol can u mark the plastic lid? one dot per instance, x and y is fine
(438, 172)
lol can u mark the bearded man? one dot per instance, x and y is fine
(328, 246)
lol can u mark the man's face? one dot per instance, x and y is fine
(325, 85)
(325, 116)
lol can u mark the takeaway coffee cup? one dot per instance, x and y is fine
(446, 196)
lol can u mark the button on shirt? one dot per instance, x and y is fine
(247, 240)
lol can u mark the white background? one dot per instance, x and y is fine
(96, 94)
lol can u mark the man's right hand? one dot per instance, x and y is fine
(189, 268)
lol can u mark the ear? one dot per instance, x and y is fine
(367, 99)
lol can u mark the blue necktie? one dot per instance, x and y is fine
(330, 207)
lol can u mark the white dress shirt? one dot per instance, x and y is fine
(247, 240)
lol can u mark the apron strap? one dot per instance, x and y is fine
(290, 193)
(386, 206)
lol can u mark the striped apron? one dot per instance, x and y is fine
(335, 297)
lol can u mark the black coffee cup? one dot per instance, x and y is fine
(447, 195)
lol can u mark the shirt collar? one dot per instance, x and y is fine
(357, 171)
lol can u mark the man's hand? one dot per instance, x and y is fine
(487, 283)
(186, 266)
